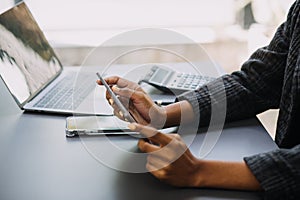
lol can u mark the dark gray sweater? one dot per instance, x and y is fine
(270, 78)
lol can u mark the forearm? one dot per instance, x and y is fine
(178, 113)
(227, 175)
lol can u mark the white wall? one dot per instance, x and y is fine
(90, 22)
(112, 14)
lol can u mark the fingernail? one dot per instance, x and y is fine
(121, 114)
(111, 101)
(115, 88)
(131, 127)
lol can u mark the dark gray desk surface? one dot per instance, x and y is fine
(39, 162)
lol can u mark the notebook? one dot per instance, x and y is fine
(35, 76)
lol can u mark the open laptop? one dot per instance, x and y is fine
(34, 75)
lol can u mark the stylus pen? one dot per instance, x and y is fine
(122, 108)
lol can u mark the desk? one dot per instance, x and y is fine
(39, 162)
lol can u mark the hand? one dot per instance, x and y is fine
(140, 105)
(169, 158)
(171, 161)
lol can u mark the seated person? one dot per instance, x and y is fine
(269, 79)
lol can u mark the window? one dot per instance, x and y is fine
(100, 19)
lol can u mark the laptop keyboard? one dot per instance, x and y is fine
(68, 93)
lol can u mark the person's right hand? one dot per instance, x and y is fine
(139, 104)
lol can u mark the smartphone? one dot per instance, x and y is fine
(122, 108)
(96, 125)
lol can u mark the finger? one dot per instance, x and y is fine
(119, 114)
(120, 82)
(108, 98)
(157, 161)
(151, 133)
(164, 157)
(124, 100)
(107, 95)
(152, 169)
(126, 92)
(132, 94)
(111, 102)
(158, 173)
(146, 147)
(110, 80)
(99, 82)
(115, 80)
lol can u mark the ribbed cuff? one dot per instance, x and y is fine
(207, 99)
(275, 174)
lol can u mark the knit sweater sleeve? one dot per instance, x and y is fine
(256, 88)
(278, 172)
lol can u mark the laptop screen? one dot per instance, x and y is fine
(27, 61)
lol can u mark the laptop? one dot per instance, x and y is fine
(34, 75)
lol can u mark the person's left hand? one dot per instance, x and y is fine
(169, 158)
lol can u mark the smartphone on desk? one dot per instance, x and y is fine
(96, 125)
(171, 81)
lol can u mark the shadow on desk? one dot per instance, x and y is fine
(154, 189)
